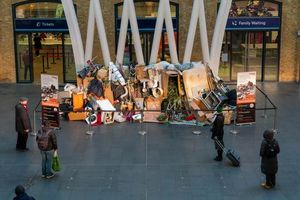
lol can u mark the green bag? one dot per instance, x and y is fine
(55, 163)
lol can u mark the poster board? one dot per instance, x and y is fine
(49, 90)
(246, 97)
(49, 97)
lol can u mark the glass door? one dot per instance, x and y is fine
(271, 56)
(24, 58)
(238, 53)
(247, 53)
(69, 64)
(254, 53)
(48, 55)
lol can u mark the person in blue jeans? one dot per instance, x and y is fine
(47, 143)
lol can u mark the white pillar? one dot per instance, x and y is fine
(123, 33)
(157, 33)
(191, 34)
(219, 34)
(102, 33)
(135, 33)
(90, 34)
(170, 32)
(203, 33)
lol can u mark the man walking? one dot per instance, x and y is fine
(46, 140)
(218, 132)
(22, 123)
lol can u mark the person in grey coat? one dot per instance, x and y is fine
(269, 163)
(22, 123)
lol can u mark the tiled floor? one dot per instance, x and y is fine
(169, 162)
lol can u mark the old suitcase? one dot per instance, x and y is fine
(230, 154)
(77, 116)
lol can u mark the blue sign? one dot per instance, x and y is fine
(253, 23)
(147, 24)
(41, 25)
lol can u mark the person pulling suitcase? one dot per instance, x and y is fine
(218, 133)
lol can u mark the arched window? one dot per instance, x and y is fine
(254, 8)
(39, 9)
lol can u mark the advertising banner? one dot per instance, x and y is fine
(246, 99)
(49, 97)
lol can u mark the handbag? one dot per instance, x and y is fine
(55, 162)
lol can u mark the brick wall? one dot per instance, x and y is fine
(289, 48)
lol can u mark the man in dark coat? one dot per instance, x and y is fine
(218, 133)
(22, 122)
(269, 164)
(21, 194)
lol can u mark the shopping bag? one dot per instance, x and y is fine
(55, 162)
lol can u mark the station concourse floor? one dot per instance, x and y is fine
(169, 162)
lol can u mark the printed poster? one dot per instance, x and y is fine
(49, 90)
(246, 99)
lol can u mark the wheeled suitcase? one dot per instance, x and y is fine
(230, 154)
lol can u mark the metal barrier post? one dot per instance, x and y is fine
(34, 133)
(47, 60)
(53, 55)
(234, 131)
(20, 58)
(68, 59)
(57, 47)
(196, 132)
(141, 131)
(265, 111)
(43, 59)
(89, 132)
(275, 121)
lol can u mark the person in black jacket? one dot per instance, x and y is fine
(218, 133)
(22, 123)
(47, 150)
(21, 194)
(269, 164)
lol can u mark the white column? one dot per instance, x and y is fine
(135, 33)
(170, 32)
(203, 33)
(102, 33)
(219, 34)
(157, 33)
(123, 33)
(191, 34)
(74, 33)
(90, 34)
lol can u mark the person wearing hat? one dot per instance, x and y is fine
(269, 164)
(22, 123)
(218, 132)
(21, 194)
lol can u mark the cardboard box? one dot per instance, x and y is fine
(77, 116)
(78, 101)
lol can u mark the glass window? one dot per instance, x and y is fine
(252, 8)
(40, 10)
(147, 9)
(70, 71)
(24, 58)
(272, 52)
